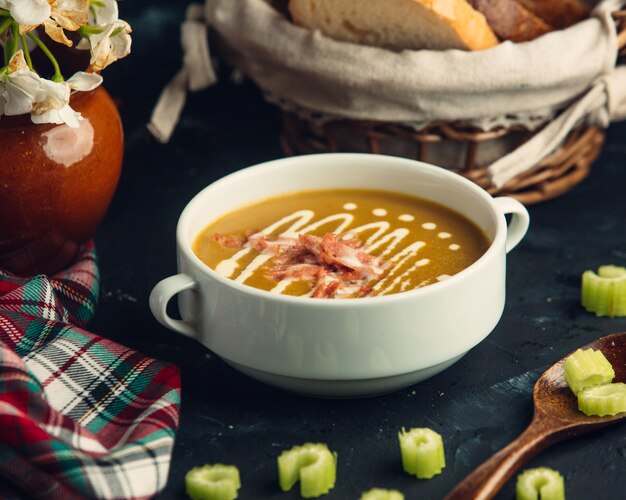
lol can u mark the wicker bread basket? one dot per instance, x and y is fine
(525, 120)
(560, 171)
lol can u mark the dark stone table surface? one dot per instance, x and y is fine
(479, 404)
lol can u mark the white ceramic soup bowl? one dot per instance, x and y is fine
(341, 347)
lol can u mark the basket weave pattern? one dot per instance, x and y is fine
(554, 175)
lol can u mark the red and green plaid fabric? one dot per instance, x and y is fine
(80, 416)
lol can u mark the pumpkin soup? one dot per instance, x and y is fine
(340, 243)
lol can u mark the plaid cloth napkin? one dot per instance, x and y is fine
(80, 416)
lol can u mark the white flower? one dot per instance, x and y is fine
(52, 105)
(66, 15)
(54, 15)
(52, 102)
(19, 87)
(70, 14)
(109, 37)
(23, 91)
(110, 44)
(103, 14)
(28, 12)
(106, 12)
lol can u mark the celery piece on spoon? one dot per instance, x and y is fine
(587, 368)
(603, 400)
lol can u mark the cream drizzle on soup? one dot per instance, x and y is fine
(340, 243)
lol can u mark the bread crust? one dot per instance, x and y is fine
(510, 20)
(560, 13)
(398, 24)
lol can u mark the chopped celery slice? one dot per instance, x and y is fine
(382, 494)
(541, 483)
(213, 482)
(422, 452)
(313, 464)
(604, 293)
(587, 368)
(609, 399)
(609, 271)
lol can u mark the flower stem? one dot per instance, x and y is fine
(5, 25)
(4, 13)
(26, 52)
(7, 47)
(87, 30)
(58, 77)
(15, 28)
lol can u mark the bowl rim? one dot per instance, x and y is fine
(184, 246)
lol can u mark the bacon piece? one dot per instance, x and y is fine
(313, 244)
(353, 242)
(257, 241)
(325, 288)
(369, 266)
(295, 272)
(339, 267)
(229, 241)
(330, 250)
(350, 275)
(293, 255)
(276, 244)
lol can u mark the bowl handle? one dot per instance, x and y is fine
(519, 220)
(161, 295)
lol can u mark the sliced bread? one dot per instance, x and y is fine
(397, 24)
(560, 13)
(510, 20)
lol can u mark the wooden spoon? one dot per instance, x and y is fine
(556, 418)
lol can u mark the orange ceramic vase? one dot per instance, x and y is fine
(56, 184)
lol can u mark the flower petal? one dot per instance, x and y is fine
(27, 28)
(106, 48)
(17, 101)
(18, 63)
(120, 45)
(18, 97)
(71, 14)
(83, 44)
(54, 31)
(105, 13)
(70, 117)
(84, 81)
(51, 98)
(30, 12)
(63, 115)
(52, 94)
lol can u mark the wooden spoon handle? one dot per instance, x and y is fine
(489, 477)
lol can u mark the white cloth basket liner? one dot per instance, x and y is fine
(566, 77)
